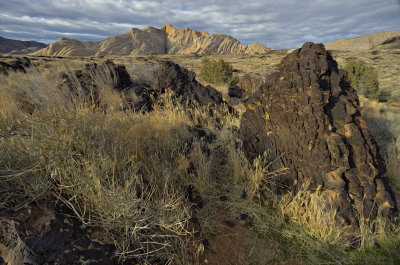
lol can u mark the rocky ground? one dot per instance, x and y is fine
(255, 165)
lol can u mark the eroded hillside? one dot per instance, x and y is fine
(166, 40)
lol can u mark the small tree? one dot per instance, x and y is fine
(363, 78)
(216, 71)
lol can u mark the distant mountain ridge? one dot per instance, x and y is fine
(364, 42)
(170, 40)
(19, 46)
(166, 40)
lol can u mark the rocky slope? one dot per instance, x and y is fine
(364, 42)
(166, 40)
(19, 47)
(392, 43)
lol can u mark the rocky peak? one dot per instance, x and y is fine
(62, 39)
(150, 29)
(169, 29)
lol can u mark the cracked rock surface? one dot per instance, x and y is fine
(308, 116)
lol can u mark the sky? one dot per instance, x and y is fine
(278, 24)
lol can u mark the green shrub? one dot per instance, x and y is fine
(363, 78)
(216, 72)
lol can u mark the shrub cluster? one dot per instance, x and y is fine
(364, 78)
(217, 72)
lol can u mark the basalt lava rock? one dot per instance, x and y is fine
(172, 81)
(236, 91)
(42, 235)
(90, 77)
(20, 64)
(247, 85)
(87, 83)
(183, 85)
(307, 118)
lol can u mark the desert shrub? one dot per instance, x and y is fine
(217, 72)
(364, 78)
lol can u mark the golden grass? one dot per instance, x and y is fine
(126, 173)
(305, 209)
(122, 172)
(384, 124)
(119, 172)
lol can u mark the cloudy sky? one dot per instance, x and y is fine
(275, 23)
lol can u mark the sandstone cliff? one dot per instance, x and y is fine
(166, 40)
(364, 42)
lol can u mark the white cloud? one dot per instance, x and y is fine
(279, 24)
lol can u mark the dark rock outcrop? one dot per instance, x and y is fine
(171, 81)
(41, 235)
(90, 77)
(250, 83)
(183, 85)
(246, 86)
(19, 64)
(13, 249)
(236, 91)
(308, 116)
(88, 82)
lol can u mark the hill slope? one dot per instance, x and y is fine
(166, 40)
(19, 47)
(364, 42)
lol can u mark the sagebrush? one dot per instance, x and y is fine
(363, 78)
(217, 72)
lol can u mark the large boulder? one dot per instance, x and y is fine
(182, 84)
(171, 81)
(88, 82)
(307, 119)
(89, 78)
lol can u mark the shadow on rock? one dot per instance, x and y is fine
(308, 116)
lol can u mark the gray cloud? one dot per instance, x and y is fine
(278, 24)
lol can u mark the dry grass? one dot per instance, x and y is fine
(306, 208)
(127, 173)
(384, 124)
(122, 173)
